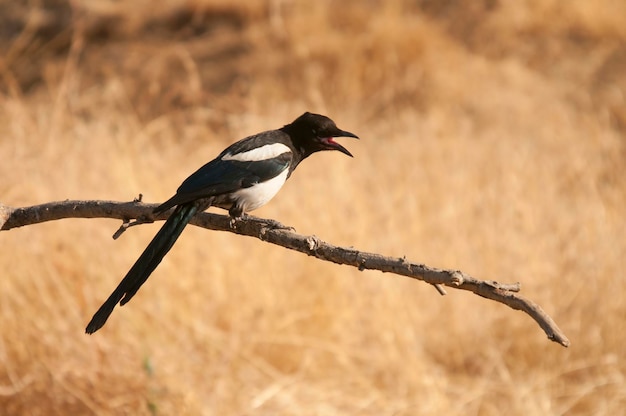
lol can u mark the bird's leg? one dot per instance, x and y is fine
(236, 214)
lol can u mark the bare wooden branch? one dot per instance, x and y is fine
(275, 233)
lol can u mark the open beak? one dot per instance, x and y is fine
(333, 145)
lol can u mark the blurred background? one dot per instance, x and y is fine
(492, 141)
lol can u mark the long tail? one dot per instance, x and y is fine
(145, 264)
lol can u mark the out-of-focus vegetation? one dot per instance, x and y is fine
(492, 142)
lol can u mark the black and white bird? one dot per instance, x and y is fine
(244, 177)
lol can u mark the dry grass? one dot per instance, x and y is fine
(492, 142)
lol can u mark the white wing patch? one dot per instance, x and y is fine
(259, 194)
(268, 151)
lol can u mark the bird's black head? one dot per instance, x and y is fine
(315, 132)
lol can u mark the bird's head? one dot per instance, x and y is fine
(315, 132)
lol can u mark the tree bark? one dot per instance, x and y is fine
(276, 233)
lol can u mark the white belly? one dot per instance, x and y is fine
(260, 194)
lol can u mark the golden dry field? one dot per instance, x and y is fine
(492, 141)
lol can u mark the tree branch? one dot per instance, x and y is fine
(274, 233)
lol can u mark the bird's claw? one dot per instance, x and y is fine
(232, 223)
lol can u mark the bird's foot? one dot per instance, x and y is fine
(233, 220)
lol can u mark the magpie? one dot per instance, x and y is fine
(244, 177)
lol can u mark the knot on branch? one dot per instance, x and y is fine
(312, 243)
(457, 278)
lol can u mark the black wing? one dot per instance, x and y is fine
(219, 176)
